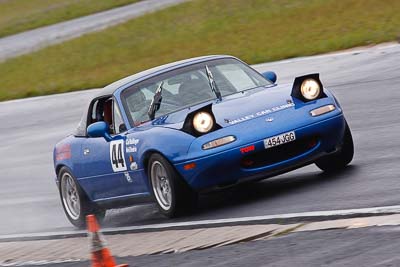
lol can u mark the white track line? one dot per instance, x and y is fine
(313, 215)
(37, 263)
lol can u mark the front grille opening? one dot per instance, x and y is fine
(279, 153)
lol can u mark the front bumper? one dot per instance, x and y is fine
(230, 165)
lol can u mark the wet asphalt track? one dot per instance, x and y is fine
(367, 83)
(372, 247)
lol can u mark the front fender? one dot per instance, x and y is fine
(173, 144)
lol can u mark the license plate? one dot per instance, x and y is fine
(279, 139)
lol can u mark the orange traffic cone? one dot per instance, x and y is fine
(101, 255)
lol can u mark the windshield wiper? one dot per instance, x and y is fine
(156, 102)
(213, 85)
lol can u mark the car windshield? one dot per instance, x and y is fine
(188, 86)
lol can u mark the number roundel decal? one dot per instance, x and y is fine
(117, 155)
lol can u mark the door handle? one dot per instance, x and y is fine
(86, 151)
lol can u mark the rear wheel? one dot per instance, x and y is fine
(340, 159)
(75, 202)
(172, 195)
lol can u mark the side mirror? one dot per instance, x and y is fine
(99, 129)
(270, 75)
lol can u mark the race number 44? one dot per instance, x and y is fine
(117, 155)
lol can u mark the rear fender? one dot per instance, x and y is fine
(66, 153)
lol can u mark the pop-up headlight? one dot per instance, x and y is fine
(308, 88)
(203, 122)
(200, 122)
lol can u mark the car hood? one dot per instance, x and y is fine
(235, 108)
(251, 104)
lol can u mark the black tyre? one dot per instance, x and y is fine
(75, 202)
(340, 159)
(171, 193)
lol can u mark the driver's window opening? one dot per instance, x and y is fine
(102, 110)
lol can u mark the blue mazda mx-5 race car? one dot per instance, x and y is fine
(173, 131)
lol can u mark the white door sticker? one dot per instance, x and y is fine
(117, 155)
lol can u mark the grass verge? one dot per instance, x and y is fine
(254, 30)
(21, 15)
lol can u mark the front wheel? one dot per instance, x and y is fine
(171, 193)
(75, 202)
(340, 159)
